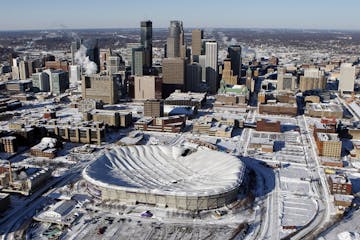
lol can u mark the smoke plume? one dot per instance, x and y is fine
(226, 41)
(80, 57)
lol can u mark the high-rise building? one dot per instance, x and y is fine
(75, 75)
(175, 40)
(193, 77)
(93, 52)
(104, 58)
(347, 77)
(313, 78)
(100, 87)
(74, 48)
(24, 70)
(211, 65)
(113, 64)
(228, 74)
(41, 82)
(196, 45)
(234, 52)
(173, 75)
(249, 79)
(202, 59)
(138, 60)
(285, 81)
(59, 81)
(148, 87)
(146, 42)
(173, 71)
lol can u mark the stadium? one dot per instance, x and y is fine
(166, 176)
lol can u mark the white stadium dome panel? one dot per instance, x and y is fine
(166, 176)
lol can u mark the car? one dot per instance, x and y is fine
(102, 230)
(146, 214)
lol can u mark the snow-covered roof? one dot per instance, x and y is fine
(163, 170)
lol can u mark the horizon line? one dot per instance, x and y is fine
(161, 28)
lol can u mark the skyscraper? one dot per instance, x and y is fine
(202, 59)
(74, 48)
(75, 73)
(211, 64)
(193, 77)
(113, 64)
(175, 39)
(347, 77)
(93, 52)
(59, 81)
(24, 70)
(234, 52)
(196, 45)
(249, 79)
(138, 60)
(228, 74)
(41, 82)
(173, 75)
(146, 42)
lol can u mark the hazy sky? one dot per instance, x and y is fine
(47, 14)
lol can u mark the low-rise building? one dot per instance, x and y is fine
(23, 180)
(111, 118)
(265, 125)
(19, 86)
(8, 104)
(60, 213)
(323, 110)
(153, 108)
(218, 127)
(161, 124)
(355, 153)
(93, 133)
(46, 148)
(339, 184)
(342, 200)
(277, 108)
(86, 105)
(186, 99)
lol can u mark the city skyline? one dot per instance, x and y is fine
(232, 14)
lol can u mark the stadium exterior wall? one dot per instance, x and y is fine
(187, 202)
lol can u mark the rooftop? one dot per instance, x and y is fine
(166, 170)
(328, 137)
(325, 107)
(339, 179)
(191, 96)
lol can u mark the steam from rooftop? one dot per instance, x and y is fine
(80, 57)
(230, 42)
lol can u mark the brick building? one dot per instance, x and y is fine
(339, 184)
(265, 125)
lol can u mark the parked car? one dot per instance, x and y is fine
(146, 214)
